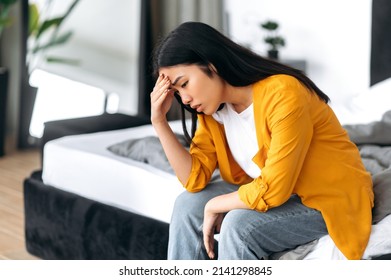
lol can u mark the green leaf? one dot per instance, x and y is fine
(67, 13)
(71, 7)
(33, 19)
(63, 60)
(59, 40)
(55, 22)
(47, 24)
(270, 25)
(55, 39)
(275, 42)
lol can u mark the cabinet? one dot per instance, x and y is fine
(295, 63)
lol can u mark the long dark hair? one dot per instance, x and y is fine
(200, 44)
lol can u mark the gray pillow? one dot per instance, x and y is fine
(146, 149)
(378, 132)
(382, 190)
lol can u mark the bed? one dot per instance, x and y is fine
(96, 195)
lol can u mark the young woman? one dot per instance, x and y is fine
(290, 173)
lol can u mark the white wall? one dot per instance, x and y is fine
(333, 36)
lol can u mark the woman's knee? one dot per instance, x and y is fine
(234, 226)
(188, 202)
(235, 241)
(188, 209)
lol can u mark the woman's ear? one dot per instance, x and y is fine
(209, 69)
(212, 68)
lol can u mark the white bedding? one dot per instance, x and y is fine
(82, 164)
(379, 244)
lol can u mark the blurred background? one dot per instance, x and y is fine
(67, 59)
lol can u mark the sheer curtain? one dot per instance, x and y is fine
(158, 18)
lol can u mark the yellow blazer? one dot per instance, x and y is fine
(303, 150)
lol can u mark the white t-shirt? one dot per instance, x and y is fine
(241, 136)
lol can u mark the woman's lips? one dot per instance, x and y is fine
(197, 108)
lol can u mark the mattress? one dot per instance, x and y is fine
(83, 165)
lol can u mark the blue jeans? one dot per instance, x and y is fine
(245, 234)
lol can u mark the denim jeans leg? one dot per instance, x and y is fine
(248, 234)
(185, 236)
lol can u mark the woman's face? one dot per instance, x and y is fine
(202, 92)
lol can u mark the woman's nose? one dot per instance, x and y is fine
(185, 99)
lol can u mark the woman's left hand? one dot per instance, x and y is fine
(212, 225)
(214, 213)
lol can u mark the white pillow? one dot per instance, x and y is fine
(366, 107)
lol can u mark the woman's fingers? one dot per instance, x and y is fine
(208, 229)
(161, 82)
(161, 88)
(161, 98)
(212, 224)
(209, 245)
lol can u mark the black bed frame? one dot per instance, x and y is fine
(66, 226)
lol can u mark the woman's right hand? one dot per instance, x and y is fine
(161, 99)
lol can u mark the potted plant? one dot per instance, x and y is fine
(274, 40)
(5, 21)
(43, 34)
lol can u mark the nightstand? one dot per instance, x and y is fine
(295, 63)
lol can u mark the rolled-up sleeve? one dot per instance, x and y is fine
(204, 158)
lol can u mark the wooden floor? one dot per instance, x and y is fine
(14, 168)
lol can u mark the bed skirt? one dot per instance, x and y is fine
(64, 226)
